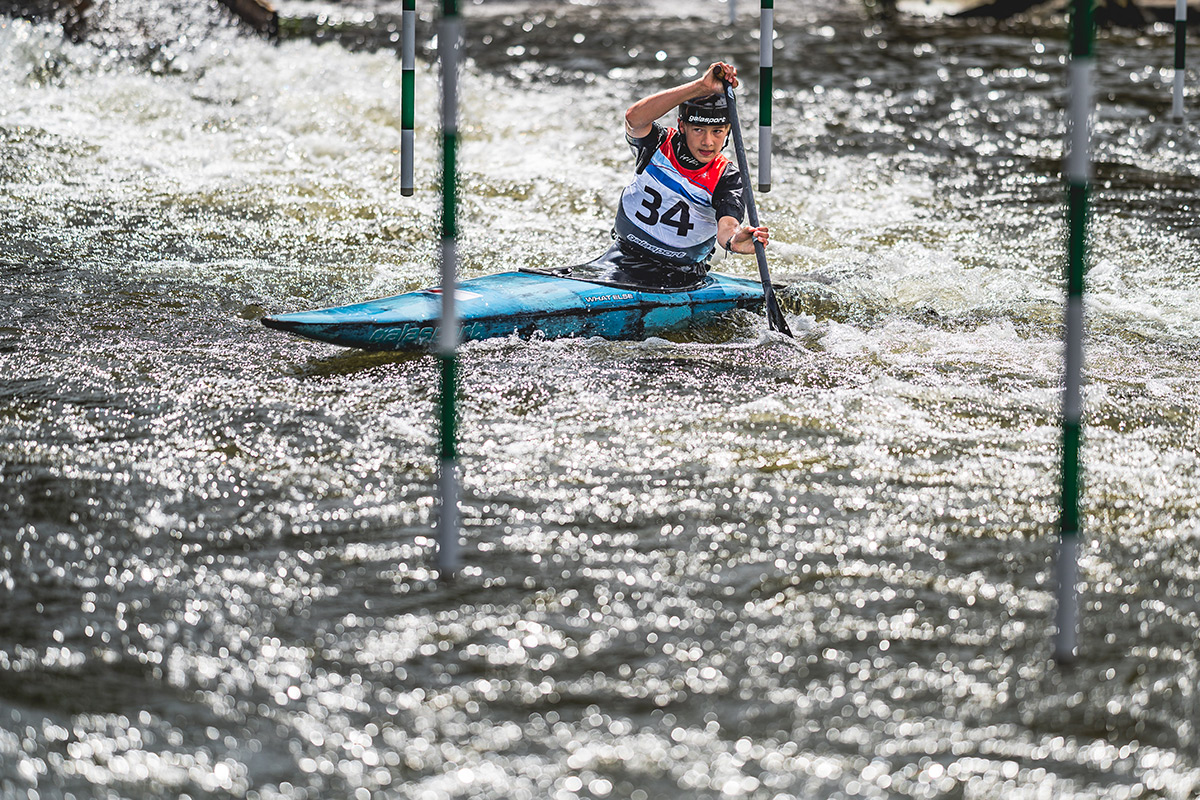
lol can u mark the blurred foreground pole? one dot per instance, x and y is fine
(732, 11)
(408, 59)
(1180, 47)
(766, 62)
(1078, 174)
(449, 34)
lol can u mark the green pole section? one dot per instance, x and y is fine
(1180, 49)
(449, 34)
(766, 63)
(408, 55)
(1078, 178)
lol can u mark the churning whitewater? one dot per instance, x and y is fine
(719, 565)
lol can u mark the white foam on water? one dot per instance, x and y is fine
(845, 534)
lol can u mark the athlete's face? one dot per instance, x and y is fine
(705, 141)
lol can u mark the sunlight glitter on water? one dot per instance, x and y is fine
(726, 566)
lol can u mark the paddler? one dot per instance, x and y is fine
(686, 197)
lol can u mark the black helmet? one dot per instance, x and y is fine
(708, 110)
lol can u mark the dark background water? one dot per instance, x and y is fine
(723, 566)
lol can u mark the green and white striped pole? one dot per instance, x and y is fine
(766, 63)
(1078, 174)
(449, 35)
(408, 60)
(1180, 48)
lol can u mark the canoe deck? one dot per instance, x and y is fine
(523, 303)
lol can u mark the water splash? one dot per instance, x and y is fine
(723, 566)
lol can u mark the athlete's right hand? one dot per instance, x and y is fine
(719, 72)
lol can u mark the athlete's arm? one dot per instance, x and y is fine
(730, 228)
(642, 114)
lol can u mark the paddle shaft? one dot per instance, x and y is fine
(774, 316)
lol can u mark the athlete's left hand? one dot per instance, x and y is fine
(743, 240)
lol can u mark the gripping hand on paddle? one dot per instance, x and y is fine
(717, 75)
(641, 115)
(740, 237)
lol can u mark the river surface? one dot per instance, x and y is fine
(729, 565)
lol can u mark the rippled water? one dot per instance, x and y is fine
(731, 565)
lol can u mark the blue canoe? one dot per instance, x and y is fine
(524, 303)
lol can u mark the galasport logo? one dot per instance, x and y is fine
(415, 333)
(662, 251)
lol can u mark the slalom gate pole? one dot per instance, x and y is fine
(766, 63)
(449, 35)
(1180, 50)
(1078, 178)
(408, 56)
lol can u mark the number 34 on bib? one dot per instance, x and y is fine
(678, 216)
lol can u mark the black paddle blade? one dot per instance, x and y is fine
(775, 318)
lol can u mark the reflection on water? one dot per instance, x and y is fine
(725, 566)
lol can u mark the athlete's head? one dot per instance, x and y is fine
(704, 123)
